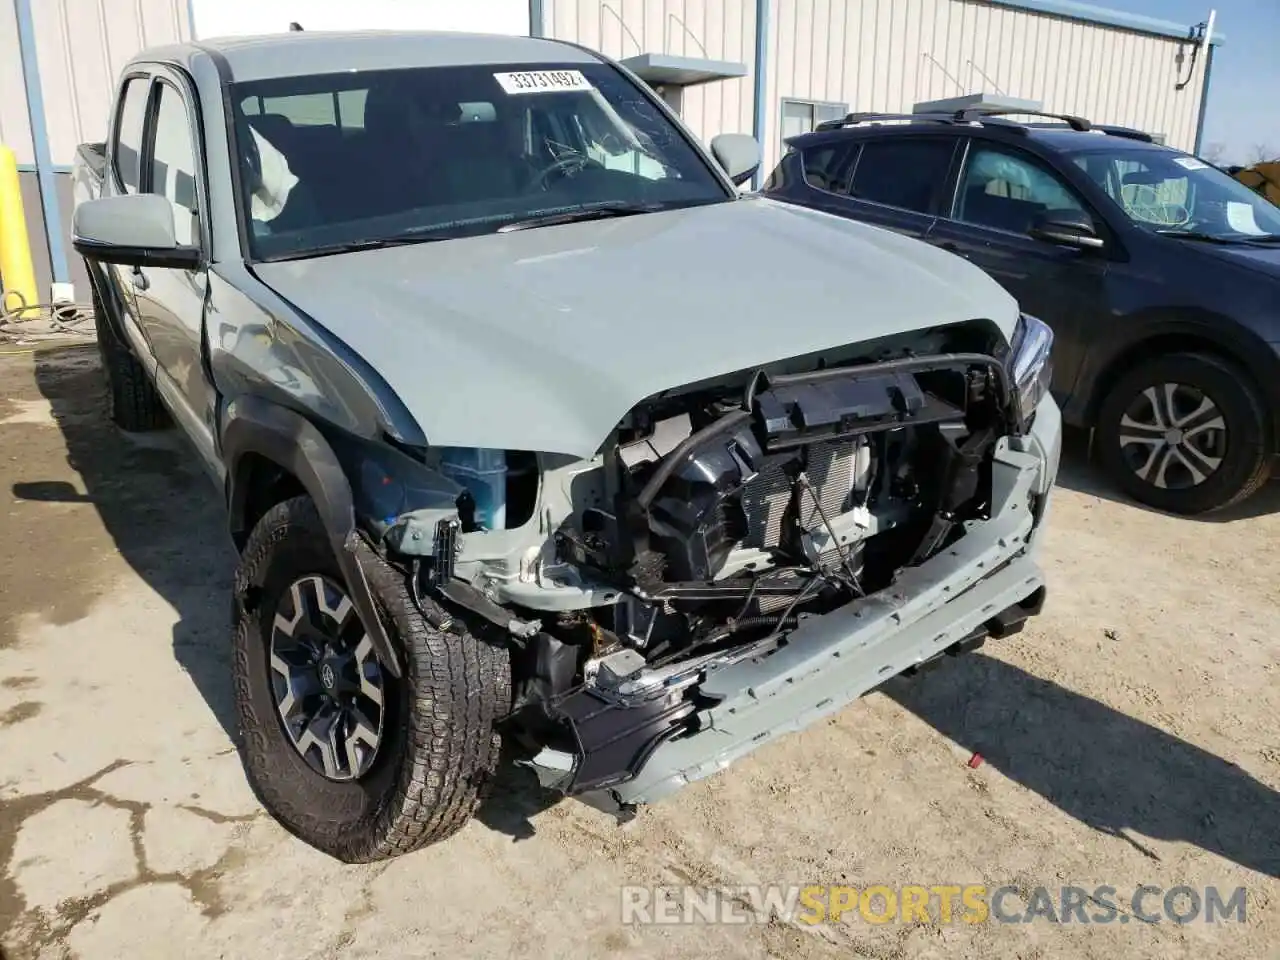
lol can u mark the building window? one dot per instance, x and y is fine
(801, 116)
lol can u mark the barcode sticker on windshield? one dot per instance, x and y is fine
(542, 81)
(1190, 163)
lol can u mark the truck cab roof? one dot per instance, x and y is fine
(300, 53)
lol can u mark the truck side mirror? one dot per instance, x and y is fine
(1067, 228)
(738, 155)
(136, 230)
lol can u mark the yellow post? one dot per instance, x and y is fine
(17, 276)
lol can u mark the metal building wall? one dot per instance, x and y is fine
(889, 54)
(15, 130)
(711, 29)
(80, 47)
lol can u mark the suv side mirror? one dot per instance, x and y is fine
(738, 155)
(136, 230)
(1068, 228)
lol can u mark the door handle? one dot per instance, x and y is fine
(140, 280)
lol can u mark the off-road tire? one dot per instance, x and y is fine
(133, 404)
(439, 749)
(1246, 465)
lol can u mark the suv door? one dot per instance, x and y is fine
(171, 301)
(1001, 188)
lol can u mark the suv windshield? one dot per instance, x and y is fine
(1176, 193)
(351, 159)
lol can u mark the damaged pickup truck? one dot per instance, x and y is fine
(536, 433)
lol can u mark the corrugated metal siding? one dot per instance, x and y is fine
(15, 131)
(889, 54)
(82, 46)
(715, 29)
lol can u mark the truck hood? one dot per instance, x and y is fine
(544, 339)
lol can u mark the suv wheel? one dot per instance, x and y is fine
(349, 759)
(1185, 433)
(133, 403)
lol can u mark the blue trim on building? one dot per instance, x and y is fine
(761, 78)
(40, 142)
(1111, 18)
(191, 18)
(1204, 99)
(537, 25)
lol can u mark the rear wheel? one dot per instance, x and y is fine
(1185, 433)
(133, 402)
(353, 761)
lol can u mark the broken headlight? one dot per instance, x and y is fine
(1030, 363)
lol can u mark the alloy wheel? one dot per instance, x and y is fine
(1173, 436)
(329, 687)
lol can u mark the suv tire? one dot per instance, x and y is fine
(437, 748)
(1186, 433)
(133, 404)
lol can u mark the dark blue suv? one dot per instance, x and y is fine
(1159, 274)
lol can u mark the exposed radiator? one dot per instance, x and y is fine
(766, 498)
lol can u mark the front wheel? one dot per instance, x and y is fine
(1186, 433)
(351, 760)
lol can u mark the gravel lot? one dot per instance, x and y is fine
(1131, 736)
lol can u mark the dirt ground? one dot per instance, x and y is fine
(1131, 736)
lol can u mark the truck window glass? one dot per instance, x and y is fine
(446, 152)
(128, 146)
(173, 164)
(904, 173)
(1005, 189)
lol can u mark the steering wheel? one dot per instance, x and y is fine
(567, 166)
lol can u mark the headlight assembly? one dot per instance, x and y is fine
(1030, 363)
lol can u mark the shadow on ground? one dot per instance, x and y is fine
(161, 512)
(515, 798)
(1118, 775)
(1077, 472)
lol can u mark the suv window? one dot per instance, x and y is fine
(433, 153)
(173, 164)
(1169, 191)
(128, 146)
(827, 167)
(1006, 188)
(905, 173)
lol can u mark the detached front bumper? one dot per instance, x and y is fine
(985, 584)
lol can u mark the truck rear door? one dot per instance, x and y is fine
(171, 301)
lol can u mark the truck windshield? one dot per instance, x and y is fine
(347, 160)
(1174, 193)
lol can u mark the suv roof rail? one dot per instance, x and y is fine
(1129, 133)
(993, 115)
(850, 119)
(1079, 124)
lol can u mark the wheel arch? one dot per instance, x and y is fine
(266, 443)
(1257, 360)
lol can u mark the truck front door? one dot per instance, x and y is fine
(171, 302)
